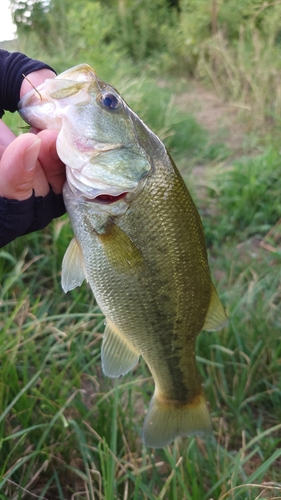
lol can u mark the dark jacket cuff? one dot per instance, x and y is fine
(23, 217)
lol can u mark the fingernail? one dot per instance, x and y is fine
(31, 154)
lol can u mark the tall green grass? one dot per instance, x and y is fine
(244, 194)
(67, 431)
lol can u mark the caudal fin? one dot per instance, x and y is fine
(165, 421)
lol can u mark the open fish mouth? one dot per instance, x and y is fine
(97, 191)
(107, 199)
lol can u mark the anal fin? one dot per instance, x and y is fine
(118, 355)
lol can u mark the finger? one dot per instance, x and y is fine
(34, 79)
(6, 135)
(34, 130)
(19, 169)
(52, 166)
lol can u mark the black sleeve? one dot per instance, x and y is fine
(22, 217)
(12, 67)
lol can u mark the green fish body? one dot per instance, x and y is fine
(139, 243)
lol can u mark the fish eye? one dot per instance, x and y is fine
(110, 101)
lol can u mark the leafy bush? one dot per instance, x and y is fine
(139, 26)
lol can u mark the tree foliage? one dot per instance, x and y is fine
(174, 33)
(30, 15)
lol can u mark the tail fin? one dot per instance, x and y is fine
(165, 421)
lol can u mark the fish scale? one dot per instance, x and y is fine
(138, 241)
(152, 308)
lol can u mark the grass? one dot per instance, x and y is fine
(246, 194)
(69, 433)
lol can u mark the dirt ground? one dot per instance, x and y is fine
(223, 120)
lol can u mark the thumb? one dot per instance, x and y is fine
(18, 167)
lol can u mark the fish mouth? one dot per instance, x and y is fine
(107, 199)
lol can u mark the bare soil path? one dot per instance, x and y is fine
(221, 119)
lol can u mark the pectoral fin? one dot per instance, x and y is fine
(118, 355)
(73, 267)
(121, 251)
(216, 318)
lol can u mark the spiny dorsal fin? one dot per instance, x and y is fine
(216, 318)
(73, 267)
(118, 355)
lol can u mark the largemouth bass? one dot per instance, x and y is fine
(138, 241)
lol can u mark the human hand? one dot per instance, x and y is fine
(30, 162)
(29, 165)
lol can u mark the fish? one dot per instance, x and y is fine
(138, 242)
